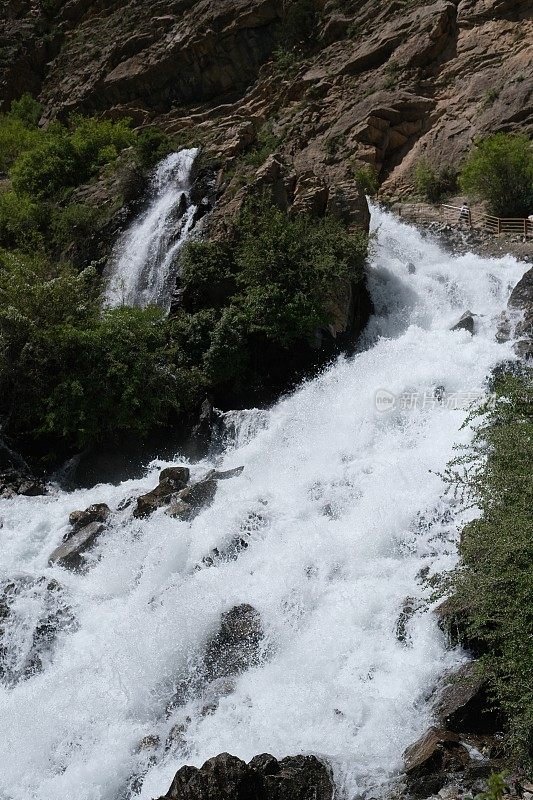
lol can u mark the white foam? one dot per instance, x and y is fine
(331, 498)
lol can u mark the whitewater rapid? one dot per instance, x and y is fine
(140, 269)
(343, 508)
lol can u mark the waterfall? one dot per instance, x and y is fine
(343, 510)
(140, 271)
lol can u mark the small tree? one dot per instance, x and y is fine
(434, 184)
(500, 171)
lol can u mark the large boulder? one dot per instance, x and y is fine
(192, 499)
(171, 481)
(521, 301)
(236, 645)
(71, 553)
(226, 777)
(431, 760)
(462, 704)
(99, 512)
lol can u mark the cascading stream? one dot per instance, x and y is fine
(140, 272)
(342, 507)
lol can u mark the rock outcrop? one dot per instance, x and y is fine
(226, 777)
(381, 85)
(521, 302)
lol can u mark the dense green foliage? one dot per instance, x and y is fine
(71, 375)
(434, 184)
(46, 165)
(272, 287)
(500, 171)
(495, 579)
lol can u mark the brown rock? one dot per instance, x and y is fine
(171, 481)
(462, 704)
(466, 323)
(99, 512)
(226, 777)
(70, 553)
(430, 761)
(236, 645)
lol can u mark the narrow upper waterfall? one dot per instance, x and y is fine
(140, 269)
(343, 513)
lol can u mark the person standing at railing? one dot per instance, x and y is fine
(464, 214)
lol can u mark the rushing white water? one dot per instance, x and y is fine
(140, 269)
(342, 505)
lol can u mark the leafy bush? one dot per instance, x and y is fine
(15, 137)
(64, 157)
(367, 180)
(500, 171)
(495, 579)
(21, 222)
(49, 166)
(71, 375)
(153, 145)
(73, 222)
(271, 288)
(27, 110)
(435, 184)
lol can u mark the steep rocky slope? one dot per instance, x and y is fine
(384, 83)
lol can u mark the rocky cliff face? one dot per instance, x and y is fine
(385, 83)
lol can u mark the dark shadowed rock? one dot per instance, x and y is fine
(466, 323)
(226, 777)
(522, 295)
(171, 481)
(178, 476)
(99, 512)
(298, 778)
(193, 498)
(13, 482)
(236, 645)
(203, 430)
(462, 704)
(70, 553)
(430, 761)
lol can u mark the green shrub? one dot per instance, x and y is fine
(500, 171)
(65, 157)
(27, 110)
(495, 578)
(153, 145)
(49, 166)
(71, 375)
(271, 288)
(15, 137)
(367, 180)
(434, 184)
(73, 223)
(21, 222)
(98, 142)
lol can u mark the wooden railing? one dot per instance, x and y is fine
(516, 225)
(496, 225)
